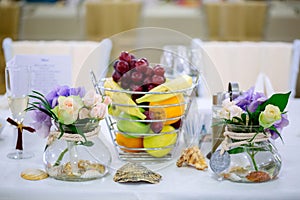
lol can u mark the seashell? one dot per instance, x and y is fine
(232, 176)
(133, 172)
(192, 156)
(91, 174)
(241, 171)
(98, 167)
(54, 170)
(258, 176)
(83, 164)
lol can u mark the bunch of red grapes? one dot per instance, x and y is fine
(137, 75)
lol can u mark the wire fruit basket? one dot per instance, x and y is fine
(145, 121)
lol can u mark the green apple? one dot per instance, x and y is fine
(131, 126)
(161, 140)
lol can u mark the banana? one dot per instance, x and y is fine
(182, 82)
(122, 98)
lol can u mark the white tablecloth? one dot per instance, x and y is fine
(177, 183)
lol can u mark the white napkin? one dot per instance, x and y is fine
(295, 66)
(263, 84)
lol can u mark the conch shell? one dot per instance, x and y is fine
(192, 156)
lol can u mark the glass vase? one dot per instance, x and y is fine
(69, 159)
(253, 162)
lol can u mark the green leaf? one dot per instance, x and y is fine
(88, 143)
(244, 118)
(46, 111)
(278, 99)
(236, 150)
(61, 130)
(253, 137)
(42, 101)
(239, 120)
(75, 130)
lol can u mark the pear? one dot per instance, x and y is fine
(132, 128)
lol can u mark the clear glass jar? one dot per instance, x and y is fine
(70, 159)
(253, 162)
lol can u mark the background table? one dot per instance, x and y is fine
(177, 183)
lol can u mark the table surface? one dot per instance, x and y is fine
(177, 183)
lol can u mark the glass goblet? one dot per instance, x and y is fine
(17, 89)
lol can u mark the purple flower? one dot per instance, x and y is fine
(279, 125)
(63, 91)
(80, 91)
(250, 100)
(41, 123)
(54, 94)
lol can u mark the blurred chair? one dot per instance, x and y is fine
(98, 62)
(236, 21)
(294, 72)
(9, 27)
(79, 51)
(104, 18)
(263, 84)
(243, 62)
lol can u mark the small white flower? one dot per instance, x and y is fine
(84, 113)
(107, 100)
(99, 111)
(91, 98)
(230, 110)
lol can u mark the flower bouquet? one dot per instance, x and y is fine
(251, 121)
(70, 118)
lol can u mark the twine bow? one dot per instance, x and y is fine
(241, 138)
(20, 128)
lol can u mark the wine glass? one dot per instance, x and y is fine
(17, 89)
(175, 59)
(180, 59)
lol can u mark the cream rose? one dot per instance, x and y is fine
(269, 116)
(68, 109)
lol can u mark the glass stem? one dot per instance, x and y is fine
(19, 145)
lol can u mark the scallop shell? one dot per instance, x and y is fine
(133, 172)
